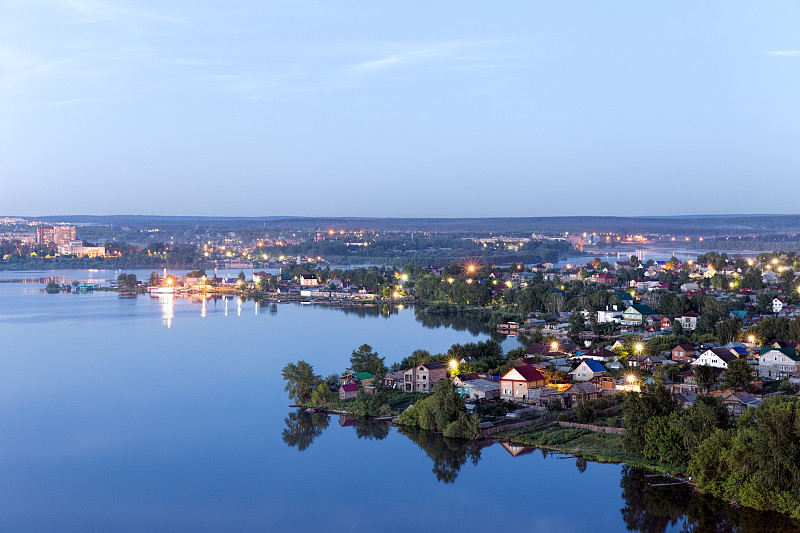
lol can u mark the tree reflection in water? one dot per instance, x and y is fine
(651, 509)
(448, 455)
(647, 509)
(302, 429)
(368, 428)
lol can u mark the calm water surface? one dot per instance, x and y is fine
(148, 414)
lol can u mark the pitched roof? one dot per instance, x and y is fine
(601, 352)
(528, 372)
(585, 386)
(686, 347)
(643, 309)
(364, 375)
(595, 366)
(433, 365)
(350, 387)
(537, 348)
(788, 352)
(788, 344)
(723, 354)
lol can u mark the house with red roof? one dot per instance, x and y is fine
(348, 391)
(515, 383)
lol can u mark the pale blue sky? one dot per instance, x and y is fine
(399, 108)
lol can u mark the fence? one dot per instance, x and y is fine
(547, 418)
(591, 427)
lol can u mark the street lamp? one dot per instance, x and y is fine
(554, 346)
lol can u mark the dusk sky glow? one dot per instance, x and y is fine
(456, 109)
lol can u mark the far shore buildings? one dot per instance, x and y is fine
(309, 280)
(77, 248)
(58, 235)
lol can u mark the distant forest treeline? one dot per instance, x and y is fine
(708, 225)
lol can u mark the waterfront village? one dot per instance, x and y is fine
(688, 367)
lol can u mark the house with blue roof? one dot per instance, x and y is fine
(588, 370)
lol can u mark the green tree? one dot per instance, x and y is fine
(321, 395)
(442, 411)
(584, 412)
(663, 441)
(729, 330)
(365, 360)
(576, 323)
(127, 281)
(639, 408)
(155, 279)
(698, 422)
(300, 380)
(738, 375)
(758, 462)
(704, 376)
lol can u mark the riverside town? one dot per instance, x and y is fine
(686, 367)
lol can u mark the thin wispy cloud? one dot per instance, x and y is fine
(784, 53)
(354, 66)
(423, 54)
(98, 11)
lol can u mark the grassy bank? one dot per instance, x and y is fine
(397, 400)
(601, 448)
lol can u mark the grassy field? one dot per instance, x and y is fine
(605, 448)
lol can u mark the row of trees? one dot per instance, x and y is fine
(755, 462)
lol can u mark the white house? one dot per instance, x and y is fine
(716, 357)
(688, 320)
(777, 305)
(607, 315)
(588, 370)
(778, 363)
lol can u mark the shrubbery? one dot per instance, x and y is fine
(442, 411)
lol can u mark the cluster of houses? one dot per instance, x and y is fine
(305, 285)
(530, 383)
(639, 297)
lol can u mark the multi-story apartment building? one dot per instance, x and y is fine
(60, 235)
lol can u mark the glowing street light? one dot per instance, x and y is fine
(554, 346)
(638, 348)
(752, 339)
(449, 280)
(631, 379)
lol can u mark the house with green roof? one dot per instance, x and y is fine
(635, 314)
(778, 363)
(365, 378)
